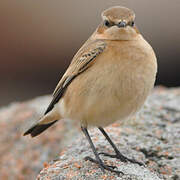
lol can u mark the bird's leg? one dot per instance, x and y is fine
(117, 154)
(98, 160)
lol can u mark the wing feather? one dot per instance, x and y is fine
(81, 61)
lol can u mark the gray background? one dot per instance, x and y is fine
(39, 38)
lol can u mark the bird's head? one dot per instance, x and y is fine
(118, 24)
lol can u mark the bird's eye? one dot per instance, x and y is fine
(107, 23)
(132, 23)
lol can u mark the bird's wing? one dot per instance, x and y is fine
(81, 61)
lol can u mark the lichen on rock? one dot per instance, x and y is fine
(153, 137)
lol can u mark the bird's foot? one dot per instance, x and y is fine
(103, 166)
(122, 158)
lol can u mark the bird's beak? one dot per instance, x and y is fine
(121, 24)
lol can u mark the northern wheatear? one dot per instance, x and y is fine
(108, 79)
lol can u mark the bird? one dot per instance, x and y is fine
(108, 80)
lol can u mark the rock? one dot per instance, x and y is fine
(22, 157)
(153, 137)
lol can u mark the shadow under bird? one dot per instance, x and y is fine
(108, 79)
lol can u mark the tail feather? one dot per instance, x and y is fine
(38, 129)
(45, 122)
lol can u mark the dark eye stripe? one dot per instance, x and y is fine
(131, 23)
(107, 23)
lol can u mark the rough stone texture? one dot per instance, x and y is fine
(153, 137)
(23, 157)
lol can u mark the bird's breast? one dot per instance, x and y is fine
(115, 86)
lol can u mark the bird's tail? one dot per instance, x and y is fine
(44, 123)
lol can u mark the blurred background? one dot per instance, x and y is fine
(39, 38)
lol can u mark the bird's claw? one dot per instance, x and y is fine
(103, 166)
(122, 158)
